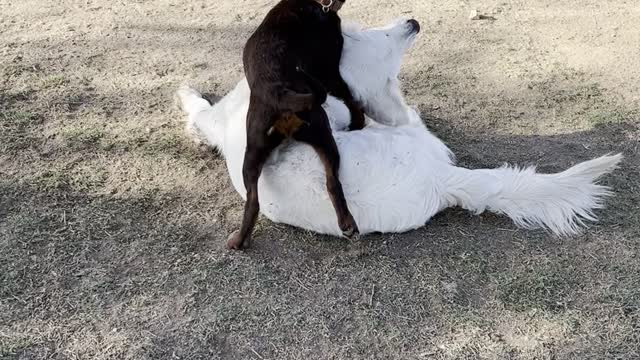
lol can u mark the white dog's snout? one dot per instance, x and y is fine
(414, 24)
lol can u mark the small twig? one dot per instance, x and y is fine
(301, 284)
(258, 355)
(593, 256)
(373, 290)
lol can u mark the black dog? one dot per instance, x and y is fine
(291, 62)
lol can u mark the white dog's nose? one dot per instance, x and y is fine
(415, 25)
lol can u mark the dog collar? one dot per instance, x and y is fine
(330, 5)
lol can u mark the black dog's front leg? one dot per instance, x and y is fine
(340, 89)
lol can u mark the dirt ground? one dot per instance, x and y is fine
(112, 223)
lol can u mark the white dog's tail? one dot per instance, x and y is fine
(558, 202)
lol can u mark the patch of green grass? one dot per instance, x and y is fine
(566, 96)
(14, 119)
(170, 142)
(85, 180)
(81, 137)
(68, 178)
(603, 117)
(54, 81)
(164, 142)
(546, 286)
(15, 345)
(50, 179)
(16, 130)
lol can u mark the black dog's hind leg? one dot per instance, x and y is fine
(260, 144)
(317, 133)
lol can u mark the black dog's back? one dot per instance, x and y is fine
(296, 43)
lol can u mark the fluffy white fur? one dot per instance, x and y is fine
(395, 178)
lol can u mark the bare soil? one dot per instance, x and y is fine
(112, 222)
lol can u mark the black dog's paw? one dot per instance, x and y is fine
(321, 97)
(352, 233)
(357, 117)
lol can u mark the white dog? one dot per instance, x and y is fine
(394, 178)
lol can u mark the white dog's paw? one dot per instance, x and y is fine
(185, 96)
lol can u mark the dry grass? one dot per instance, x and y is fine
(112, 222)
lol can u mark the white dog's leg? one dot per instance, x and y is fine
(205, 123)
(192, 102)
